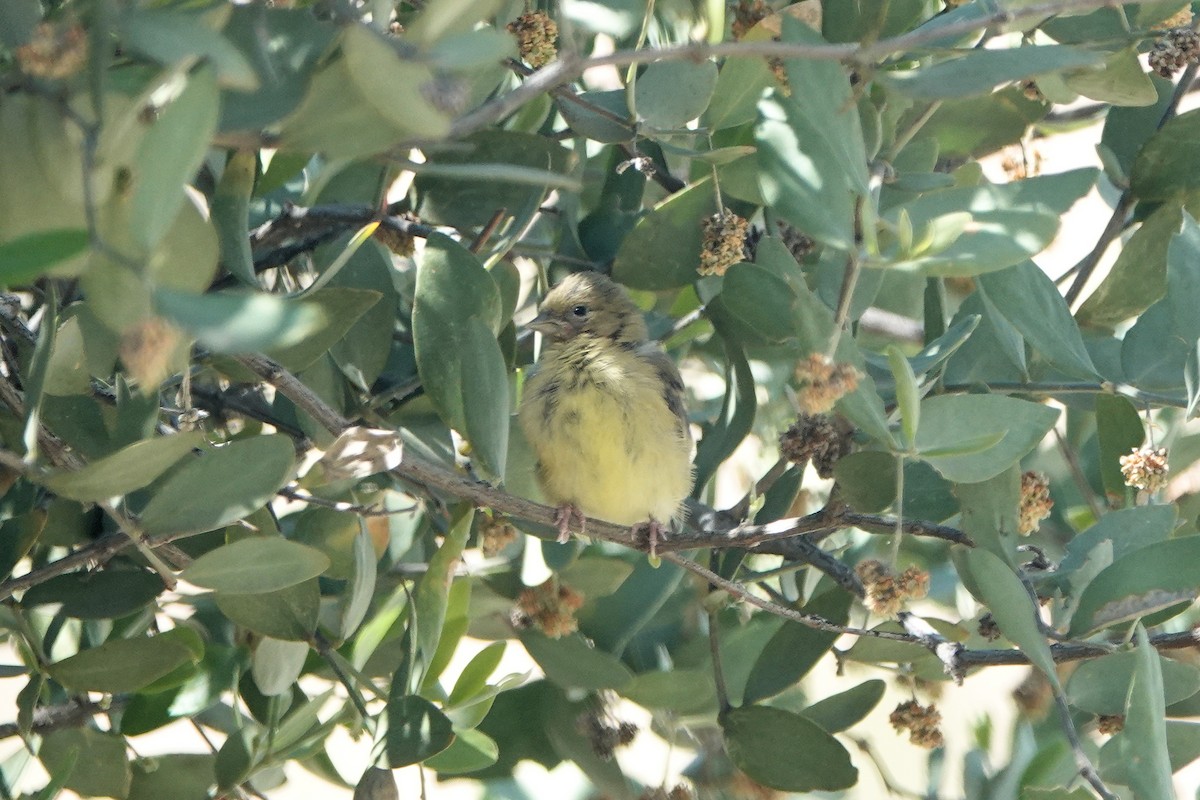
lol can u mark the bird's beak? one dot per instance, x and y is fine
(550, 326)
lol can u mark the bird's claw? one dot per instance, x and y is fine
(655, 532)
(562, 520)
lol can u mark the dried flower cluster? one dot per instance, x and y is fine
(1108, 724)
(604, 733)
(747, 14)
(550, 607)
(822, 383)
(54, 51)
(537, 36)
(723, 244)
(1145, 468)
(988, 628)
(817, 438)
(495, 534)
(922, 722)
(1035, 502)
(797, 243)
(394, 239)
(888, 592)
(1174, 50)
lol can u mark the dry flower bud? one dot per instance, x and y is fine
(495, 534)
(886, 592)
(146, 350)
(1145, 468)
(537, 36)
(1035, 502)
(988, 628)
(1108, 724)
(550, 607)
(724, 240)
(819, 439)
(922, 723)
(747, 14)
(822, 383)
(54, 51)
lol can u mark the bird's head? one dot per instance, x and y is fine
(588, 303)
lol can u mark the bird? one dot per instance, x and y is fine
(604, 412)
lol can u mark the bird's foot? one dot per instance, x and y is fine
(654, 531)
(562, 520)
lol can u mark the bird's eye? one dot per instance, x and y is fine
(580, 311)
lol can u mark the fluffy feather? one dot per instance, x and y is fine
(604, 411)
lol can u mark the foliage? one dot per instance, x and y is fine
(265, 268)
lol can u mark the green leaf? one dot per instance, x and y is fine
(171, 37)
(908, 394)
(572, 663)
(416, 729)
(30, 256)
(786, 751)
(1149, 579)
(472, 680)
(456, 314)
(799, 174)
(392, 86)
(830, 114)
(1119, 430)
(230, 210)
(471, 751)
(1138, 278)
(241, 321)
(1183, 281)
(120, 665)
(763, 304)
(433, 591)
(839, 711)
(1163, 166)
(1120, 81)
(736, 419)
(356, 601)
(740, 84)
(867, 480)
(663, 249)
(220, 487)
(980, 70)
(485, 398)
(683, 691)
(595, 576)
(672, 93)
(289, 614)
(256, 565)
(94, 762)
(608, 128)
(949, 420)
(1124, 530)
(1005, 596)
(1100, 686)
(436, 21)
(1029, 300)
(795, 649)
(1152, 355)
(277, 664)
(180, 776)
(169, 155)
(1183, 747)
(471, 201)
(1126, 129)
(1145, 735)
(130, 468)
(376, 783)
(109, 594)
(340, 308)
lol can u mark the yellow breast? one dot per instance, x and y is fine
(606, 441)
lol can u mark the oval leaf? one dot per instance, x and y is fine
(786, 751)
(256, 565)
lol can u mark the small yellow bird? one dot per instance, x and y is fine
(604, 412)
